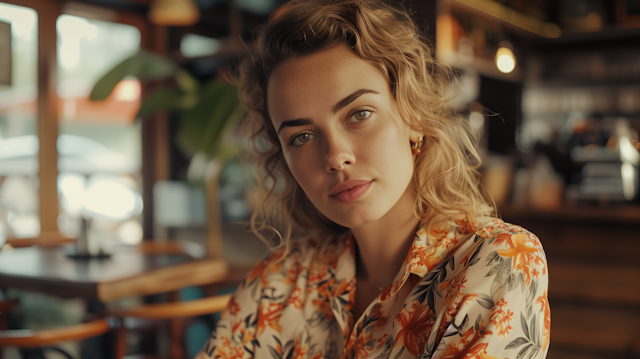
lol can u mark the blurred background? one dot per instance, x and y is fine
(553, 87)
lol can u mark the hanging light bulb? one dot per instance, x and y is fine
(505, 60)
(174, 12)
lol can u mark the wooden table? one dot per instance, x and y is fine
(127, 273)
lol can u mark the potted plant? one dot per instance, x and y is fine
(205, 113)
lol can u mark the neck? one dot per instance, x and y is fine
(383, 244)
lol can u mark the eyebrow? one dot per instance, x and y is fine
(335, 108)
(293, 123)
(349, 99)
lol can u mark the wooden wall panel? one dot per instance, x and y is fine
(594, 280)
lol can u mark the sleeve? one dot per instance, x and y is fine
(504, 311)
(234, 334)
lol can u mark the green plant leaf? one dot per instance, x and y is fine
(223, 119)
(202, 127)
(149, 66)
(143, 65)
(186, 82)
(164, 98)
(195, 121)
(206, 112)
(219, 118)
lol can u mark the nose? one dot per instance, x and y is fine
(338, 155)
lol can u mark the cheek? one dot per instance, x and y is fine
(389, 146)
(300, 168)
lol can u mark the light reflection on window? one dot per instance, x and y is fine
(99, 144)
(72, 30)
(18, 161)
(193, 45)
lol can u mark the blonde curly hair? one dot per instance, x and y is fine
(445, 179)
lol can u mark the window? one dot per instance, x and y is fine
(99, 142)
(18, 141)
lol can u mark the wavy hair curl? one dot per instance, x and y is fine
(445, 179)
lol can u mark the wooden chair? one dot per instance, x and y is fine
(39, 341)
(176, 312)
(5, 306)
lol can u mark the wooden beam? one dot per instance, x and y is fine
(155, 135)
(161, 47)
(37, 5)
(48, 13)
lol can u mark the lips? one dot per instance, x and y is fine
(350, 191)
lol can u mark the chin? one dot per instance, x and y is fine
(355, 218)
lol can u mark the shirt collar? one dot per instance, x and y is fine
(426, 252)
(429, 250)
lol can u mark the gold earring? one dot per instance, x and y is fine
(415, 148)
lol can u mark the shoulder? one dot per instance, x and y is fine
(499, 292)
(506, 240)
(498, 232)
(508, 256)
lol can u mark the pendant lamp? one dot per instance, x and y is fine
(174, 12)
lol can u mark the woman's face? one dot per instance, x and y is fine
(342, 136)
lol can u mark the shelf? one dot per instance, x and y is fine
(537, 30)
(483, 66)
(621, 214)
(605, 34)
(517, 22)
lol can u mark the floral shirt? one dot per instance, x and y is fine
(476, 293)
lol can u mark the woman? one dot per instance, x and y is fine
(361, 158)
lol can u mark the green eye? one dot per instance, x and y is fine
(301, 139)
(360, 116)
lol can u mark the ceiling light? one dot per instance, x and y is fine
(174, 12)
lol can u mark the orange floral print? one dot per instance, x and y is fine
(544, 304)
(501, 238)
(465, 226)
(229, 351)
(468, 346)
(247, 336)
(258, 272)
(265, 267)
(477, 352)
(296, 298)
(415, 326)
(455, 296)
(269, 316)
(293, 273)
(523, 250)
(502, 318)
(233, 307)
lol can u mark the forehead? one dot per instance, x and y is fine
(303, 85)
